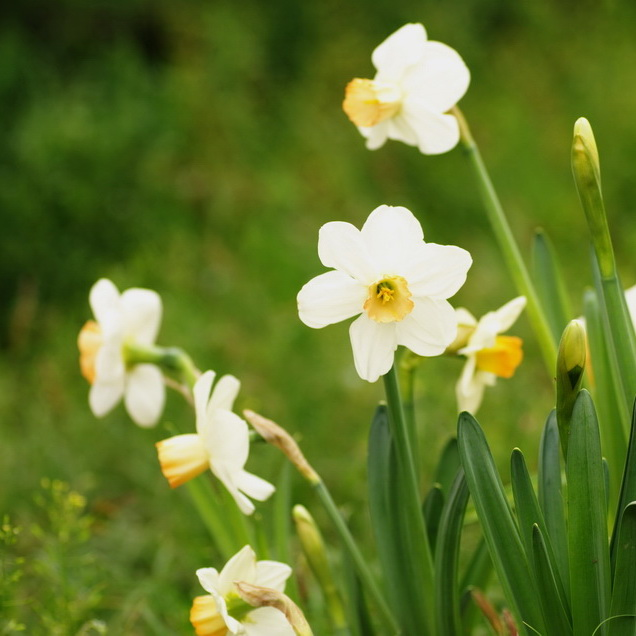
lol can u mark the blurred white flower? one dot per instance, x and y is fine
(630, 297)
(223, 612)
(489, 355)
(397, 282)
(416, 84)
(126, 320)
(221, 444)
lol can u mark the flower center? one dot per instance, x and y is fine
(389, 300)
(89, 343)
(205, 617)
(503, 358)
(368, 102)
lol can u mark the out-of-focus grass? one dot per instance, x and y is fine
(196, 148)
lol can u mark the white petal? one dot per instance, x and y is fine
(225, 391)
(103, 396)
(375, 135)
(209, 579)
(373, 346)
(433, 133)
(464, 317)
(109, 362)
(470, 388)
(429, 328)
(104, 301)
(330, 298)
(254, 486)
(340, 246)
(241, 567)
(394, 236)
(142, 314)
(630, 298)
(399, 128)
(272, 574)
(227, 475)
(226, 439)
(201, 393)
(399, 51)
(440, 78)
(267, 621)
(145, 394)
(507, 315)
(438, 271)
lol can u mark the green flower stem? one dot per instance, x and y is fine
(409, 362)
(361, 565)
(415, 532)
(168, 358)
(508, 245)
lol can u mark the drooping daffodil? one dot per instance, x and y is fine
(396, 282)
(123, 322)
(221, 443)
(489, 355)
(222, 612)
(417, 82)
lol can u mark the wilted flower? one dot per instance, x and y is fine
(489, 355)
(124, 322)
(221, 444)
(397, 282)
(416, 83)
(224, 612)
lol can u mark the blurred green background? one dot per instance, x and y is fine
(195, 148)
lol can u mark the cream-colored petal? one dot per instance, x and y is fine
(201, 392)
(438, 271)
(145, 394)
(267, 621)
(272, 574)
(433, 133)
(104, 396)
(224, 393)
(394, 236)
(507, 315)
(464, 317)
(373, 345)
(376, 135)
(105, 302)
(470, 388)
(253, 486)
(400, 50)
(429, 328)
(330, 298)
(226, 438)
(340, 246)
(227, 476)
(241, 567)
(142, 314)
(439, 80)
(109, 363)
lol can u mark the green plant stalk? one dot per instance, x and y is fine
(352, 548)
(508, 245)
(416, 535)
(407, 365)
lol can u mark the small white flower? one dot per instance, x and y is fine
(489, 355)
(221, 444)
(223, 613)
(397, 282)
(129, 319)
(416, 84)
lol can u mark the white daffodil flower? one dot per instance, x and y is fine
(397, 282)
(130, 319)
(224, 613)
(221, 444)
(416, 84)
(489, 355)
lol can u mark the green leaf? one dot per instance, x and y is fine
(549, 284)
(551, 500)
(500, 530)
(432, 510)
(447, 466)
(529, 515)
(624, 591)
(556, 616)
(587, 520)
(447, 613)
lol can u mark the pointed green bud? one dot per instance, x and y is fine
(313, 547)
(587, 176)
(569, 375)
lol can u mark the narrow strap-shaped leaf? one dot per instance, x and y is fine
(624, 590)
(447, 614)
(528, 516)
(551, 498)
(587, 520)
(447, 466)
(498, 524)
(432, 510)
(358, 617)
(549, 282)
(628, 486)
(557, 619)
